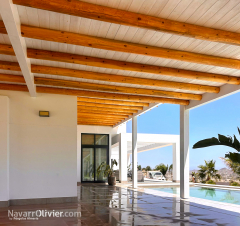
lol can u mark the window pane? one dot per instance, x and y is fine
(101, 157)
(101, 139)
(88, 164)
(88, 139)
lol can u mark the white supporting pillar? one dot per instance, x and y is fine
(134, 152)
(128, 158)
(176, 162)
(184, 152)
(10, 17)
(4, 151)
(123, 158)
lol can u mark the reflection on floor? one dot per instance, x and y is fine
(106, 205)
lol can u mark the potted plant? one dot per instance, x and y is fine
(107, 171)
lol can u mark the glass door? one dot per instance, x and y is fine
(94, 152)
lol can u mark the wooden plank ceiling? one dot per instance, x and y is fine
(118, 56)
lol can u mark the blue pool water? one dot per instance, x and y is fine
(213, 194)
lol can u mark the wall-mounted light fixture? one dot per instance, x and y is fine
(44, 114)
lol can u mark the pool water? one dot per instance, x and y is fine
(220, 195)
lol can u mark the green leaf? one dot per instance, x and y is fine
(236, 143)
(225, 140)
(206, 143)
(234, 157)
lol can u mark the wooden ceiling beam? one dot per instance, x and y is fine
(13, 87)
(129, 66)
(115, 102)
(102, 115)
(111, 106)
(112, 15)
(122, 79)
(112, 88)
(6, 49)
(95, 124)
(97, 120)
(104, 112)
(111, 96)
(126, 111)
(83, 93)
(122, 65)
(91, 117)
(11, 66)
(127, 47)
(3, 29)
(12, 78)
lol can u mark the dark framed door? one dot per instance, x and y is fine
(94, 151)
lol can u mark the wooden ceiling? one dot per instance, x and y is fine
(120, 56)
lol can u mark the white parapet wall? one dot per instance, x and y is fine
(42, 150)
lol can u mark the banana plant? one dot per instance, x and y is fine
(223, 140)
(106, 169)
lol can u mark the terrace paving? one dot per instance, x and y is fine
(104, 205)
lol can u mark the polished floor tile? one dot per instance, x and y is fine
(106, 205)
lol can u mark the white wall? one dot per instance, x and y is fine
(43, 151)
(4, 148)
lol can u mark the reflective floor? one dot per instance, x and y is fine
(106, 205)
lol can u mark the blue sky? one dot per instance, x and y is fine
(221, 116)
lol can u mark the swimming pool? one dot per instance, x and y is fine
(220, 195)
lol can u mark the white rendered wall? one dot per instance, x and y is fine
(4, 148)
(43, 151)
(115, 155)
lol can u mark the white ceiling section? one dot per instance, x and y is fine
(224, 15)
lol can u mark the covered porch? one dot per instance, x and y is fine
(73, 73)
